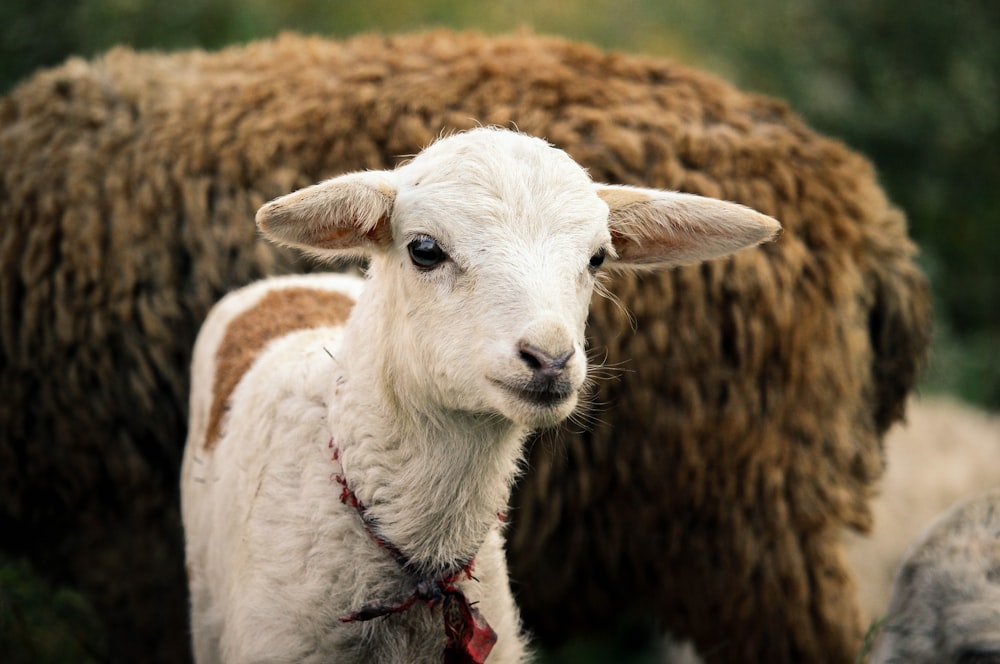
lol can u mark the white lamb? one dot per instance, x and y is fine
(353, 443)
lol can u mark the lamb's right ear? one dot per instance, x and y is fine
(342, 217)
(655, 228)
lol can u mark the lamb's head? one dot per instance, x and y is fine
(485, 250)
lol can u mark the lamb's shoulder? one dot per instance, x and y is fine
(250, 322)
(262, 489)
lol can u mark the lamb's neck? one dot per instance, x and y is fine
(433, 491)
(433, 482)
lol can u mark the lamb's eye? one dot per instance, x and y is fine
(597, 260)
(426, 253)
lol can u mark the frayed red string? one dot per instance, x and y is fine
(469, 637)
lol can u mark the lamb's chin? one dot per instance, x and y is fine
(538, 412)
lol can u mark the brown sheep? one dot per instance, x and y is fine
(715, 476)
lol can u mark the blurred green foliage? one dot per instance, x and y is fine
(40, 624)
(911, 83)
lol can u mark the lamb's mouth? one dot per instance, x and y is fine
(540, 391)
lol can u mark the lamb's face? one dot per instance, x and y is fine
(492, 266)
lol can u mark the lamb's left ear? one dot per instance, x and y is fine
(655, 228)
(347, 216)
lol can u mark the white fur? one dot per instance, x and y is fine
(418, 391)
(946, 596)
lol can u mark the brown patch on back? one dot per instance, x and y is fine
(275, 315)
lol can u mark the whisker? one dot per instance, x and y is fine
(603, 291)
(583, 420)
(601, 370)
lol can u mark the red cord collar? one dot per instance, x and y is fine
(469, 638)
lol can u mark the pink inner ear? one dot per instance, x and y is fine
(381, 234)
(348, 237)
(624, 247)
(335, 238)
(644, 248)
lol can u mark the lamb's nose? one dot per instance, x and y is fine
(541, 362)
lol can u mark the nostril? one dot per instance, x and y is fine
(541, 362)
(531, 359)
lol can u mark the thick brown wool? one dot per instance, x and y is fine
(741, 436)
